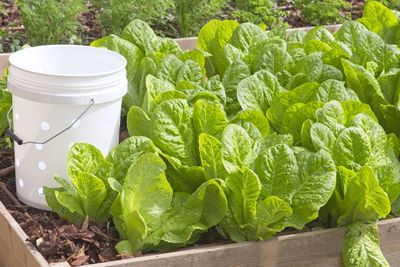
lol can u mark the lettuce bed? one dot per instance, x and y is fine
(250, 134)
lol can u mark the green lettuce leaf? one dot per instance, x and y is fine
(237, 148)
(361, 246)
(172, 130)
(210, 150)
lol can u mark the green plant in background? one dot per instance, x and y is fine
(10, 42)
(116, 14)
(259, 12)
(319, 12)
(191, 15)
(5, 105)
(50, 21)
(392, 4)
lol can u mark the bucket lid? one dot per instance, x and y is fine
(67, 74)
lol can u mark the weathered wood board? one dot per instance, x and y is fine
(300, 249)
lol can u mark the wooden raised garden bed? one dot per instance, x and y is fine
(299, 249)
(312, 248)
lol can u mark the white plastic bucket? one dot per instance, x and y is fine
(52, 86)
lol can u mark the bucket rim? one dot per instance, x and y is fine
(14, 64)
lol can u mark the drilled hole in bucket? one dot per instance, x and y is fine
(42, 165)
(39, 146)
(40, 191)
(21, 182)
(45, 126)
(17, 163)
(16, 116)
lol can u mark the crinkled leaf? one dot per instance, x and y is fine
(256, 91)
(92, 192)
(146, 190)
(255, 117)
(361, 246)
(138, 122)
(268, 221)
(322, 137)
(277, 170)
(127, 153)
(352, 148)
(211, 156)
(237, 148)
(364, 200)
(172, 131)
(134, 57)
(247, 34)
(244, 188)
(141, 35)
(295, 116)
(208, 118)
(315, 185)
(201, 210)
(87, 158)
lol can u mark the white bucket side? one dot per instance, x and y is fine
(36, 165)
(48, 99)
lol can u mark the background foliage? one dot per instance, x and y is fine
(82, 21)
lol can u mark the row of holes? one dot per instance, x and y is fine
(45, 126)
(40, 189)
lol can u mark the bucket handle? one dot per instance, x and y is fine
(19, 141)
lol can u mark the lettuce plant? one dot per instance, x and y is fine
(130, 184)
(88, 195)
(149, 215)
(5, 103)
(252, 133)
(287, 186)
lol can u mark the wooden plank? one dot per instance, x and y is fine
(389, 233)
(3, 62)
(189, 43)
(14, 249)
(303, 249)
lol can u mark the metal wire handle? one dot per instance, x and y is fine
(19, 141)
